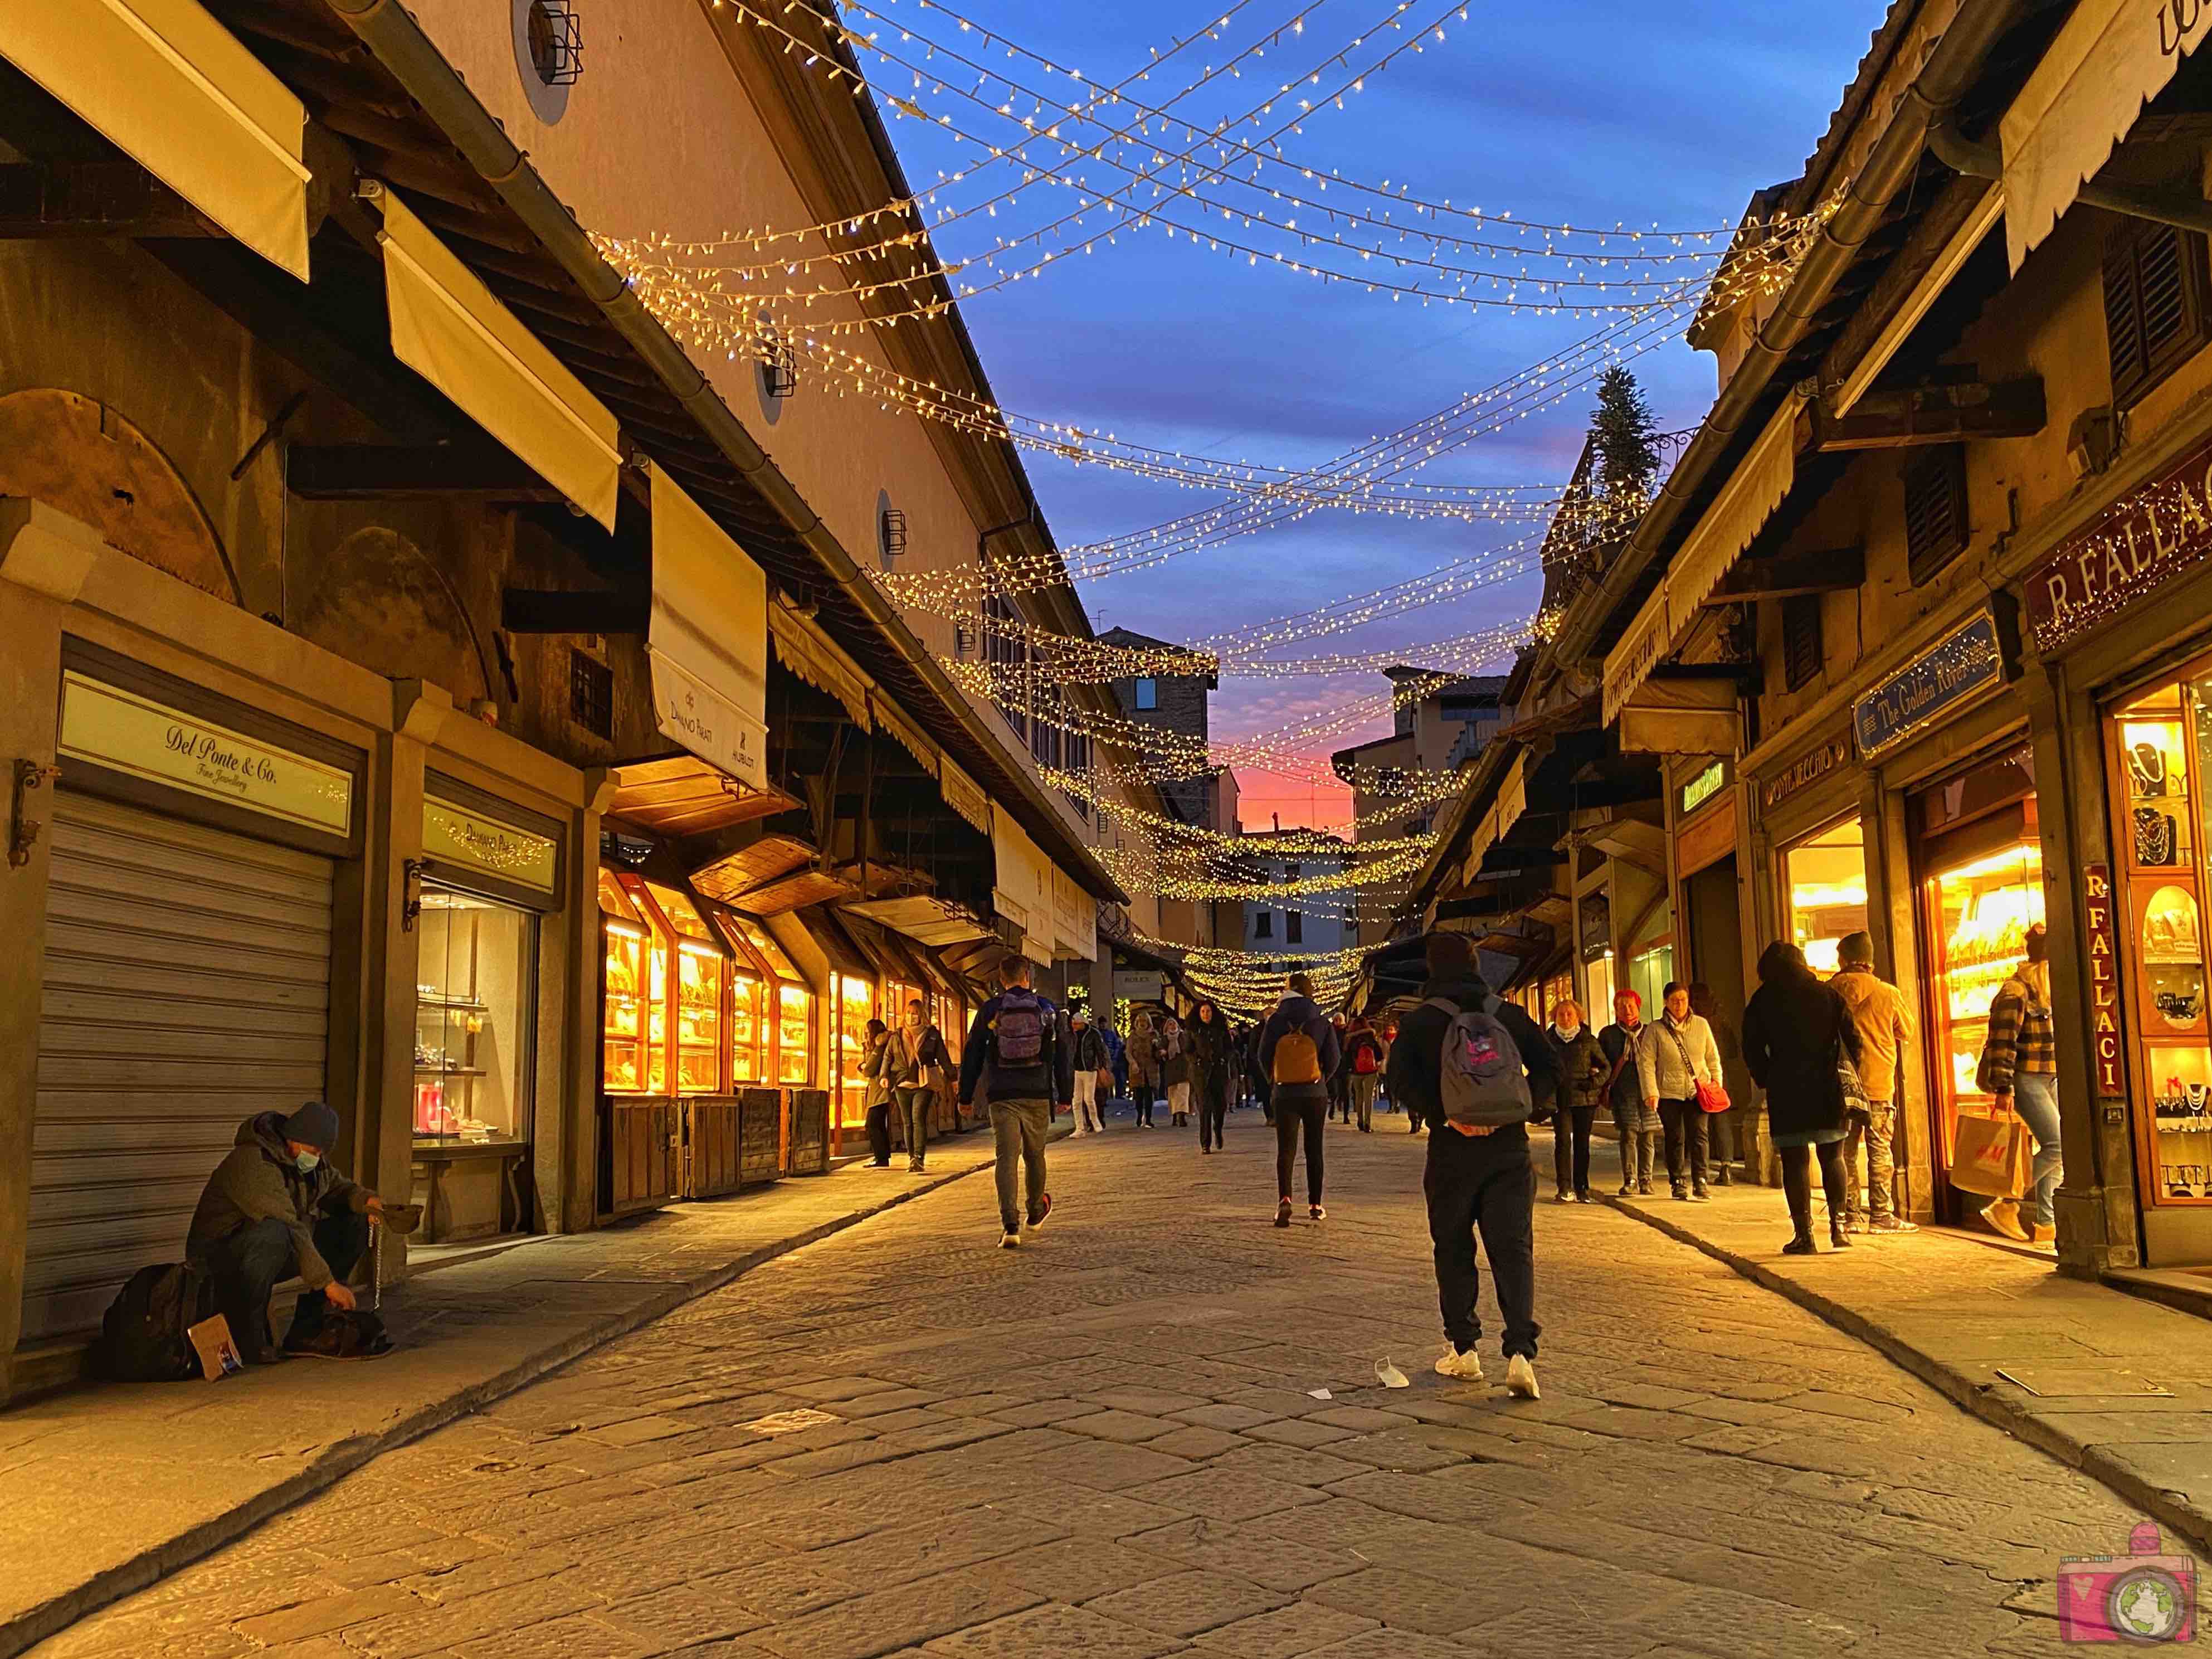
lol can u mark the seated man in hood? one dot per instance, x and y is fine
(275, 1207)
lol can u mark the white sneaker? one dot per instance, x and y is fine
(1468, 1367)
(1521, 1378)
(1010, 1241)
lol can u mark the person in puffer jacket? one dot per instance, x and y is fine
(1301, 1103)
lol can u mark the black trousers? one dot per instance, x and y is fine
(1212, 1094)
(248, 1265)
(1140, 1097)
(1294, 1115)
(1571, 1139)
(1484, 1184)
(879, 1131)
(1684, 1123)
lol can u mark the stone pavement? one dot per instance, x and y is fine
(2119, 1387)
(1157, 1429)
(468, 1333)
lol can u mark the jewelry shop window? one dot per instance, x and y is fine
(2161, 742)
(700, 963)
(1826, 877)
(476, 994)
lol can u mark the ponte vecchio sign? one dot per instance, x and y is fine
(2135, 547)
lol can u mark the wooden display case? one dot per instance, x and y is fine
(2158, 746)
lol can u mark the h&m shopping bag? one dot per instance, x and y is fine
(1991, 1154)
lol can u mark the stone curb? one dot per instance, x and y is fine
(27, 1628)
(2172, 1508)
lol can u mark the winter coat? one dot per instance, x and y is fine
(1659, 1064)
(1090, 1052)
(257, 1181)
(1207, 1044)
(1878, 1011)
(898, 1071)
(1794, 1029)
(1051, 1078)
(1143, 1049)
(1414, 1063)
(1296, 1013)
(1618, 1043)
(1174, 1051)
(1584, 1068)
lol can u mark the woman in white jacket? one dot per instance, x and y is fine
(1675, 1053)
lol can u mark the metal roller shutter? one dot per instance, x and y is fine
(186, 986)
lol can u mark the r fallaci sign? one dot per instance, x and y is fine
(2104, 977)
(1933, 686)
(2136, 546)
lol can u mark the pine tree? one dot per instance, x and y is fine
(1625, 436)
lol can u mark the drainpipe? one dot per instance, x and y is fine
(1948, 75)
(398, 43)
(1985, 160)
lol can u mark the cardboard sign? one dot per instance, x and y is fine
(211, 1341)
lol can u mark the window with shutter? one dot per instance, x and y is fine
(1800, 640)
(2156, 314)
(1936, 509)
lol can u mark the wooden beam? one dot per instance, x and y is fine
(1782, 576)
(541, 610)
(1927, 415)
(383, 472)
(92, 199)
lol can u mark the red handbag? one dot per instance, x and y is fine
(1712, 1098)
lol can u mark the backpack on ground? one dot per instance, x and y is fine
(1018, 1034)
(1297, 1059)
(142, 1336)
(1480, 1081)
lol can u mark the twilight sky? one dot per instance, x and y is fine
(1609, 112)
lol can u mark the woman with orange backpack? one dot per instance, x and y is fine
(1299, 1050)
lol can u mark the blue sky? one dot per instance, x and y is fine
(1605, 112)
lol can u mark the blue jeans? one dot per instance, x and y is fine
(2035, 1097)
(248, 1265)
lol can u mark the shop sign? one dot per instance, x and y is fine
(472, 842)
(143, 739)
(2104, 978)
(1138, 985)
(1703, 787)
(2136, 546)
(1964, 665)
(1807, 769)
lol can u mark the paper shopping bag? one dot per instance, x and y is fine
(1991, 1155)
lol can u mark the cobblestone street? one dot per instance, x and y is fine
(1116, 1443)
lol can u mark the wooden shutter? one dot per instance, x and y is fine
(1935, 509)
(1802, 650)
(2155, 305)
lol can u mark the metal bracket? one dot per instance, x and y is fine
(412, 871)
(29, 775)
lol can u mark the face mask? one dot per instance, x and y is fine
(306, 1162)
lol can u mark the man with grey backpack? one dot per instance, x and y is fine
(1477, 1071)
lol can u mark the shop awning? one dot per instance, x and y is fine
(1759, 484)
(2111, 58)
(180, 95)
(1505, 809)
(708, 638)
(932, 921)
(454, 332)
(807, 652)
(767, 860)
(1074, 919)
(683, 795)
(1022, 891)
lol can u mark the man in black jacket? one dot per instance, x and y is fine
(1475, 1179)
(1017, 1061)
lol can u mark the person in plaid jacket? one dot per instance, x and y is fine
(2019, 1067)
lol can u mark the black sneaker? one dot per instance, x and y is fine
(1283, 1214)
